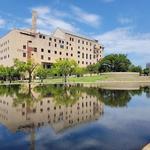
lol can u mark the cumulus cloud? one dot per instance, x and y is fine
(124, 20)
(49, 19)
(123, 40)
(2, 23)
(86, 17)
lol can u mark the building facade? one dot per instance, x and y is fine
(46, 49)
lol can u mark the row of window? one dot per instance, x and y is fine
(4, 43)
(71, 39)
(5, 57)
(4, 50)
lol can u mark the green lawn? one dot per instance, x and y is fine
(77, 79)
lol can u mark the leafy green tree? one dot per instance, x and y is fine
(133, 68)
(80, 71)
(146, 71)
(114, 63)
(3, 73)
(28, 67)
(64, 68)
(41, 72)
(11, 73)
(93, 68)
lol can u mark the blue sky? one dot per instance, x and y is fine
(122, 26)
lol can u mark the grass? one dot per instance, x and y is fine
(87, 79)
(90, 79)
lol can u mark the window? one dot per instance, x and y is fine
(43, 37)
(63, 42)
(60, 53)
(49, 58)
(78, 52)
(24, 46)
(86, 43)
(50, 39)
(49, 44)
(90, 56)
(42, 50)
(54, 40)
(78, 41)
(40, 36)
(78, 62)
(55, 45)
(82, 62)
(71, 54)
(49, 51)
(42, 57)
(55, 52)
(86, 56)
(61, 46)
(82, 42)
(82, 55)
(35, 49)
(66, 54)
(24, 54)
(67, 47)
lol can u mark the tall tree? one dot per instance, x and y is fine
(93, 68)
(28, 67)
(114, 63)
(64, 68)
(41, 72)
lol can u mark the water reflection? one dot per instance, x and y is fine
(59, 106)
(26, 108)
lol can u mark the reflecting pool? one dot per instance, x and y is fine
(76, 117)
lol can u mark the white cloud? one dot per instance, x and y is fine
(123, 40)
(124, 20)
(86, 17)
(49, 19)
(2, 23)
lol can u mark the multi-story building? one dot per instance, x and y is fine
(46, 49)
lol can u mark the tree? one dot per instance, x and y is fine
(3, 73)
(80, 71)
(114, 63)
(64, 68)
(41, 72)
(11, 73)
(133, 68)
(93, 68)
(146, 71)
(28, 67)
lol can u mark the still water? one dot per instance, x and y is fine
(75, 117)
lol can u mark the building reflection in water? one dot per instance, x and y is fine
(33, 110)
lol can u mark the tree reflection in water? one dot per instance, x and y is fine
(69, 94)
